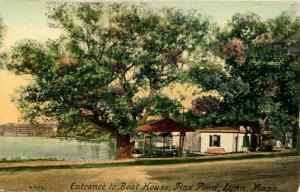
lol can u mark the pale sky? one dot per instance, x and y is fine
(26, 19)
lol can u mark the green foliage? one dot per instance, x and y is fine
(260, 75)
(81, 131)
(211, 76)
(1, 30)
(1, 37)
(165, 107)
(29, 57)
(279, 121)
(110, 65)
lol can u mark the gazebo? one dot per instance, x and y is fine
(165, 126)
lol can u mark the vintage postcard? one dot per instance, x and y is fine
(147, 96)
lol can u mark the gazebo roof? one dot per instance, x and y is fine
(164, 125)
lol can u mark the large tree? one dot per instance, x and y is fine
(109, 67)
(259, 76)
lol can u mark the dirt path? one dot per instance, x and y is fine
(62, 180)
(270, 171)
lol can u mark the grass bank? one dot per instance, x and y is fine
(147, 162)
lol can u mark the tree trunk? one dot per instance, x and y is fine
(124, 147)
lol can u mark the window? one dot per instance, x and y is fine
(214, 140)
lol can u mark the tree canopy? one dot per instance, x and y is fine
(259, 75)
(113, 60)
(109, 66)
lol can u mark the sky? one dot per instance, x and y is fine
(26, 19)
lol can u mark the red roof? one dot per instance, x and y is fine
(222, 130)
(164, 125)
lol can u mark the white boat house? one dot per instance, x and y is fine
(219, 140)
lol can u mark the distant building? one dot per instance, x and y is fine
(219, 140)
(13, 129)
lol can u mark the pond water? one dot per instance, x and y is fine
(57, 148)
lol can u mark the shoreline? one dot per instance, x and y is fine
(62, 164)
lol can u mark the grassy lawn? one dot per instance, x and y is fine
(280, 173)
(277, 174)
(37, 165)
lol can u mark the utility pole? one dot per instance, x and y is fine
(298, 135)
(183, 109)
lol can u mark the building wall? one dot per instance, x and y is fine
(199, 142)
(192, 142)
(27, 130)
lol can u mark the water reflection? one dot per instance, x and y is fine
(58, 148)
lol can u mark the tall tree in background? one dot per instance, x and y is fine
(109, 67)
(1, 30)
(259, 77)
(1, 37)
